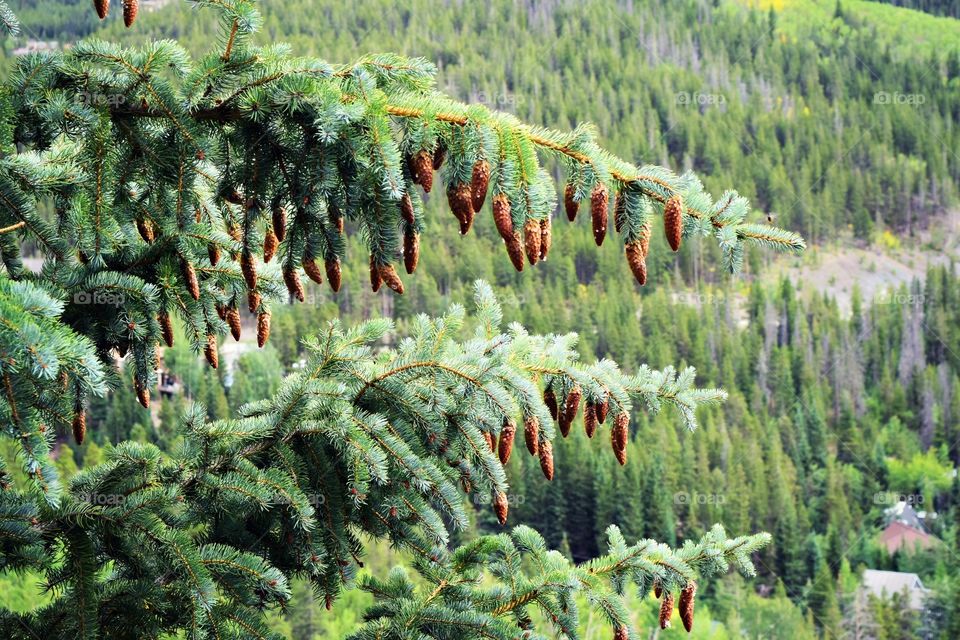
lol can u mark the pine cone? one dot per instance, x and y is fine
(479, 181)
(637, 262)
(461, 204)
(550, 399)
(569, 202)
(673, 221)
(602, 409)
(143, 394)
(500, 506)
(619, 211)
(570, 408)
(411, 251)
(279, 223)
(102, 7)
(336, 219)
(406, 209)
(657, 589)
(376, 280)
(270, 243)
(531, 434)
(312, 269)
(621, 633)
(210, 351)
(507, 434)
(145, 227)
(421, 169)
(190, 278)
(166, 327)
(531, 240)
(599, 199)
(501, 216)
(546, 237)
(491, 443)
(221, 310)
(129, 12)
(590, 419)
(389, 275)
(292, 279)
(439, 155)
(249, 268)
(334, 273)
(79, 426)
(253, 301)
(213, 254)
(233, 319)
(618, 436)
(666, 610)
(645, 233)
(687, 597)
(263, 328)
(546, 459)
(515, 250)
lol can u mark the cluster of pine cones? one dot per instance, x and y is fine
(130, 7)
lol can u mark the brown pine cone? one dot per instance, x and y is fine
(491, 443)
(190, 278)
(546, 237)
(279, 222)
(619, 211)
(270, 243)
(336, 219)
(515, 250)
(569, 203)
(507, 435)
(263, 328)
(687, 601)
(501, 507)
(79, 426)
(546, 459)
(618, 436)
(666, 610)
(590, 419)
(406, 209)
(292, 279)
(637, 262)
(421, 169)
(439, 155)
(501, 216)
(210, 351)
(673, 221)
(621, 633)
(602, 409)
(571, 406)
(143, 393)
(233, 319)
(644, 240)
(102, 7)
(312, 269)
(531, 240)
(479, 181)
(334, 273)
(166, 327)
(145, 228)
(411, 250)
(550, 399)
(461, 204)
(599, 200)
(657, 589)
(531, 434)
(376, 279)
(129, 12)
(249, 268)
(253, 301)
(389, 275)
(213, 254)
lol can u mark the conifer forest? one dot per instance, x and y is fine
(516, 319)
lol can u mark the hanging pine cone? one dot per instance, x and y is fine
(102, 7)
(334, 274)
(213, 254)
(501, 216)
(253, 301)
(279, 222)
(491, 443)
(599, 199)
(312, 269)
(570, 203)
(166, 327)
(190, 278)
(673, 221)
(270, 243)
(411, 250)
(570, 407)
(145, 227)
(376, 280)
(550, 399)
(249, 269)
(687, 597)
(461, 204)
(233, 319)
(602, 408)
(637, 262)
(618, 436)
(546, 459)
(406, 209)
(619, 212)
(590, 419)
(263, 328)
(389, 275)
(500, 506)
(515, 250)
(507, 435)
(657, 589)
(479, 181)
(143, 394)
(292, 279)
(79, 426)
(621, 633)
(210, 351)
(644, 237)
(546, 237)
(666, 610)
(531, 240)
(421, 169)
(336, 218)
(439, 155)
(531, 434)
(129, 12)
(221, 311)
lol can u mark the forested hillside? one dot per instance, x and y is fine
(829, 124)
